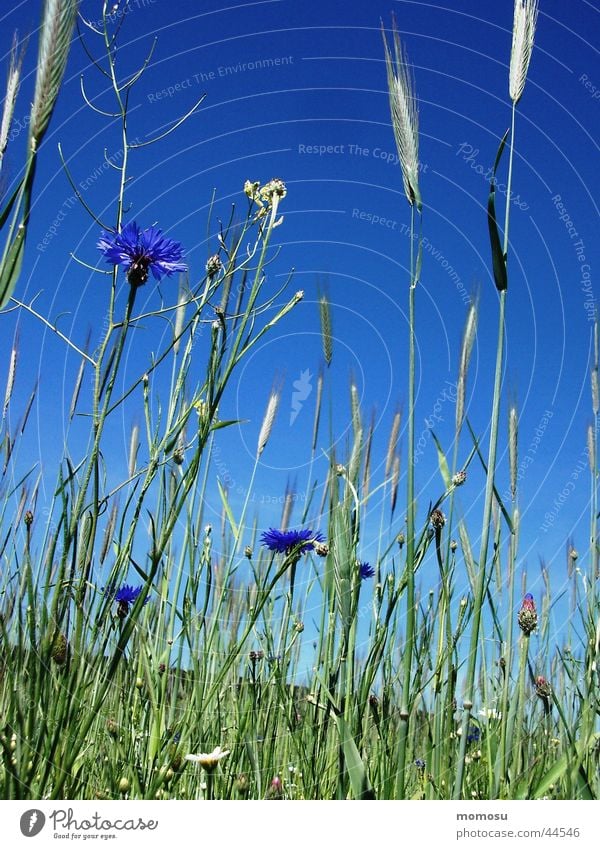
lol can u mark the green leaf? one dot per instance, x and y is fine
(9, 205)
(228, 423)
(442, 463)
(11, 267)
(354, 763)
(556, 772)
(498, 258)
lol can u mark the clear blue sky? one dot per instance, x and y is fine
(298, 90)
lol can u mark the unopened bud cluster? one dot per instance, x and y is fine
(527, 617)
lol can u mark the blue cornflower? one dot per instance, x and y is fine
(141, 251)
(365, 571)
(125, 596)
(284, 542)
(474, 734)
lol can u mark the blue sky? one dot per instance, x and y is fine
(298, 90)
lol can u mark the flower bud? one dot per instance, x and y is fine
(213, 265)
(437, 519)
(527, 617)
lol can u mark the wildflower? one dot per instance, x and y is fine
(527, 617)
(274, 188)
(124, 597)
(420, 764)
(141, 251)
(544, 691)
(285, 542)
(437, 519)
(473, 734)
(365, 570)
(459, 478)
(490, 713)
(275, 790)
(209, 761)
(251, 190)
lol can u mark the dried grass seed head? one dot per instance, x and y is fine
(405, 115)
(524, 23)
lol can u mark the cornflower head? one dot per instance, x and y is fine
(473, 734)
(405, 116)
(365, 571)
(286, 542)
(125, 596)
(527, 617)
(140, 251)
(542, 687)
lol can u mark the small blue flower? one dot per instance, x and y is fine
(125, 596)
(474, 734)
(366, 571)
(420, 764)
(284, 542)
(141, 251)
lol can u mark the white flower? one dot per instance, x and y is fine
(209, 761)
(490, 713)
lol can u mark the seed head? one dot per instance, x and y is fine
(437, 519)
(60, 648)
(213, 265)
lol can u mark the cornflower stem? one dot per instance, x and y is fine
(410, 526)
(516, 733)
(501, 772)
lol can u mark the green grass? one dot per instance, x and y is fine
(411, 691)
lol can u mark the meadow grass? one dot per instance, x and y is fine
(407, 692)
